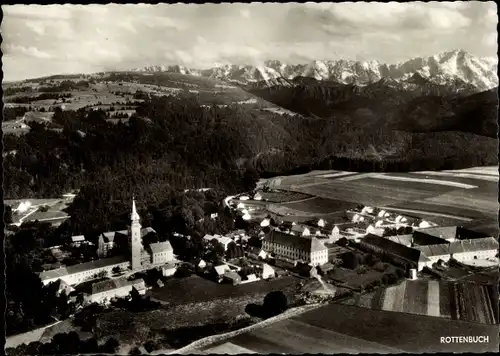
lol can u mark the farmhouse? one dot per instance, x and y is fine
(295, 248)
(104, 291)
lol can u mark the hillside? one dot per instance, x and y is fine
(416, 105)
(203, 134)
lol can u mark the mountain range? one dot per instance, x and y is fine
(442, 69)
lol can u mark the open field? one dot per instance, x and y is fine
(447, 198)
(320, 205)
(438, 298)
(337, 328)
(197, 289)
(283, 196)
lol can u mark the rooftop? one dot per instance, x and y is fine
(480, 244)
(395, 248)
(158, 247)
(87, 266)
(116, 283)
(303, 243)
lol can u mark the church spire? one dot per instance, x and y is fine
(134, 216)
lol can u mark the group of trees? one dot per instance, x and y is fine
(29, 302)
(42, 96)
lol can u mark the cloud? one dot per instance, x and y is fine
(93, 37)
(15, 50)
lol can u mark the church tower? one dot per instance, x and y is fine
(135, 240)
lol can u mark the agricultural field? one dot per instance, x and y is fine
(320, 205)
(447, 198)
(343, 329)
(283, 196)
(470, 302)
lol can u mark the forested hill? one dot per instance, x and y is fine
(173, 143)
(417, 106)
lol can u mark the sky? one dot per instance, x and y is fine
(40, 40)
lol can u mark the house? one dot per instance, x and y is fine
(301, 230)
(257, 196)
(306, 270)
(325, 268)
(219, 271)
(161, 252)
(262, 254)
(374, 231)
(265, 222)
(232, 277)
(104, 291)
(321, 223)
(202, 264)
(160, 283)
(77, 240)
(295, 248)
(168, 270)
(224, 240)
(267, 271)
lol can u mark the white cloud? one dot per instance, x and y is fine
(13, 50)
(126, 36)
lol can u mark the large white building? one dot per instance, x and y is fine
(295, 248)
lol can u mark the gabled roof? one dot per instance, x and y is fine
(87, 266)
(158, 247)
(303, 243)
(111, 235)
(444, 232)
(221, 269)
(408, 253)
(110, 284)
(146, 230)
(405, 240)
(460, 246)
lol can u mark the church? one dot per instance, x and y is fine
(138, 257)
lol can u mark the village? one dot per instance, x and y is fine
(358, 250)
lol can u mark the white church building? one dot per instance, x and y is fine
(138, 258)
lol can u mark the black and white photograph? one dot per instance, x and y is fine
(250, 178)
